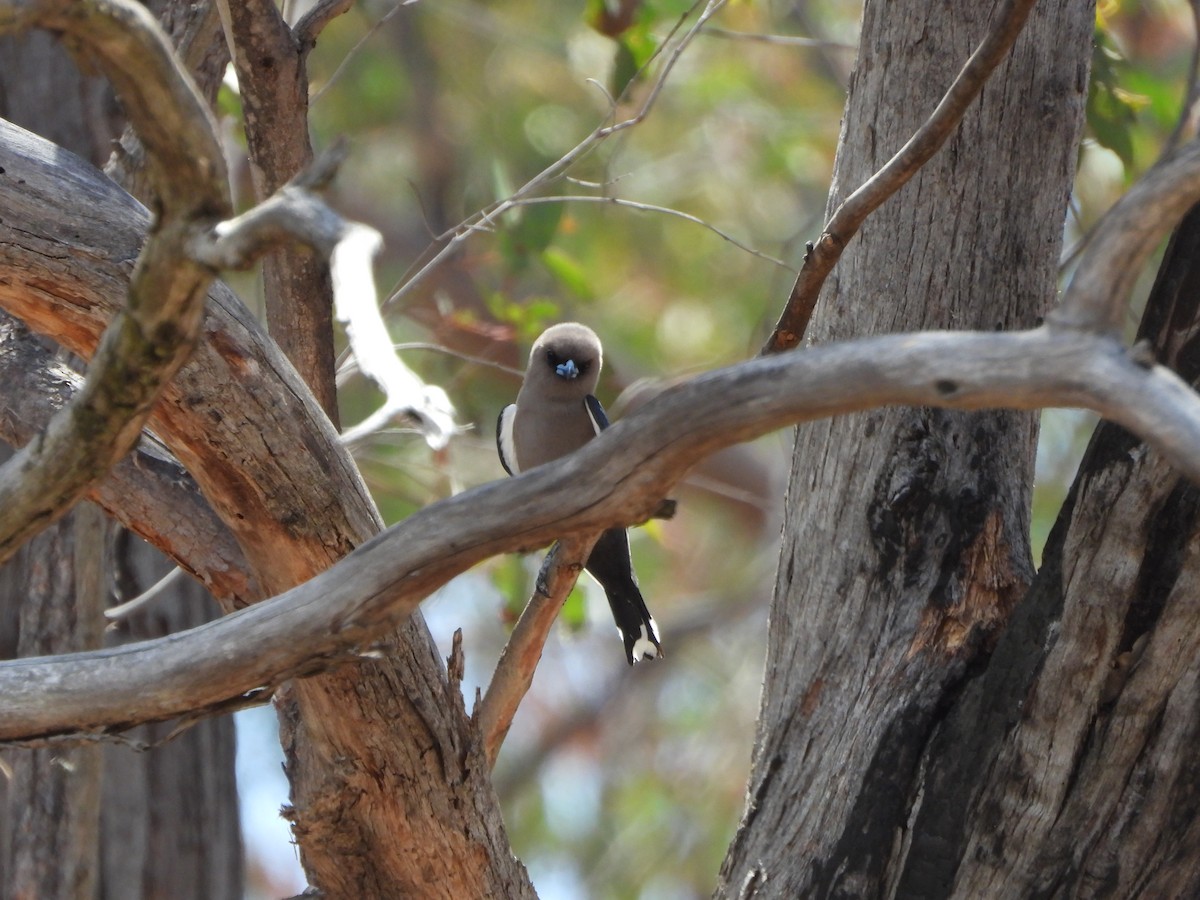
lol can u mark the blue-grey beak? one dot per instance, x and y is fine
(567, 369)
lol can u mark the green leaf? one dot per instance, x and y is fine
(635, 48)
(569, 272)
(1111, 110)
(574, 613)
(528, 234)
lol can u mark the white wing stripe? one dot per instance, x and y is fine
(504, 442)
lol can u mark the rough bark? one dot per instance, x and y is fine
(322, 722)
(169, 815)
(148, 492)
(929, 509)
(1067, 769)
(158, 326)
(163, 823)
(271, 64)
(50, 830)
(276, 474)
(109, 822)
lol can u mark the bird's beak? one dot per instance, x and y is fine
(568, 369)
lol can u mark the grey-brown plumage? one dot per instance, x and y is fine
(556, 413)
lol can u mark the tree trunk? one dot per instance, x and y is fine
(928, 510)
(157, 824)
(1068, 767)
(272, 72)
(49, 833)
(357, 739)
(170, 815)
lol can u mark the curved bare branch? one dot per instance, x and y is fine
(1118, 249)
(514, 672)
(149, 340)
(148, 492)
(928, 139)
(616, 479)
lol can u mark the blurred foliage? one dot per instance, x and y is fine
(1112, 110)
(618, 782)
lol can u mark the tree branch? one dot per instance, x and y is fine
(1121, 243)
(655, 208)
(271, 60)
(616, 479)
(313, 22)
(294, 213)
(237, 416)
(149, 340)
(147, 486)
(519, 660)
(928, 139)
(357, 308)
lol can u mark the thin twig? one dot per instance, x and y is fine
(129, 607)
(783, 40)
(519, 660)
(484, 219)
(925, 142)
(1097, 297)
(1189, 113)
(350, 364)
(664, 210)
(705, 617)
(357, 48)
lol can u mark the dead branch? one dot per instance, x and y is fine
(1122, 242)
(148, 342)
(823, 255)
(615, 480)
(295, 214)
(147, 486)
(519, 660)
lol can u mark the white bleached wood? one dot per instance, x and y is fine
(356, 307)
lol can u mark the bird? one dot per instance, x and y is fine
(557, 412)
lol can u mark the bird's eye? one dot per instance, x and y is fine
(552, 358)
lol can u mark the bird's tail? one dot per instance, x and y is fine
(610, 565)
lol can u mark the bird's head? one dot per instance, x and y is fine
(567, 357)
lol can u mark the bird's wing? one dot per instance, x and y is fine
(596, 413)
(504, 439)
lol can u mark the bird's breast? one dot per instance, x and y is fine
(548, 431)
